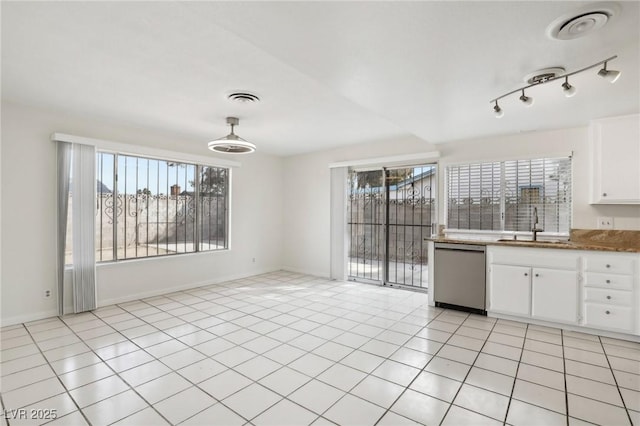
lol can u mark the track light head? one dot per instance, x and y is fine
(497, 111)
(568, 89)
(610, 75)
(526, 100)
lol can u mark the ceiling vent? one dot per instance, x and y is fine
(243, 97)
(582, 22)
(543, 75)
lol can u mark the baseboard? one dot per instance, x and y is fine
(35, 316)
(320, 274)
(189, 286)
(19, 319)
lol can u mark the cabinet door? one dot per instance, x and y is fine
(554, 295)
(510, 289)
(616, 160)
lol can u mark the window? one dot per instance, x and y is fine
(148, 207)
(501, 196)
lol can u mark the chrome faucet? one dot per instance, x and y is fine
(535, 228)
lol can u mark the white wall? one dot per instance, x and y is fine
(28, 227)
(306, 202)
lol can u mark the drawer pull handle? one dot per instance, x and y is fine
(609, 297)
(608, 266)
(608, 281)
(607, 312)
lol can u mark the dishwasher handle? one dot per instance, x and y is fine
(460, 247)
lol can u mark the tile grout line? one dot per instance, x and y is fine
(66, 390)
(564, 378)
(615, 380)
(469, 372)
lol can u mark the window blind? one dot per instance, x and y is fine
(504, 196)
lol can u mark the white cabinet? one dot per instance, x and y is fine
(615, 160)
(536, 283)
(554, 295)
(609, 292)
(510, 289)
(598, 290)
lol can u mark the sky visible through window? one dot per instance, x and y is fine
(140, 174)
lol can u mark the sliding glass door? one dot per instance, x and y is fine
(390, 211)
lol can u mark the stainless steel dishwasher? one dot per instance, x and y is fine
(459, 275)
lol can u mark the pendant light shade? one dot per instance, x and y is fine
(526, 100)
(610, 75)
(232, 143)
(568, 89)
(497, 111)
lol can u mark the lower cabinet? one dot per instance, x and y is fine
(554, 295)
(534, 283)
(590, 289)
(510, 289)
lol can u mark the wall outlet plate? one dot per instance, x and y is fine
(605, 223)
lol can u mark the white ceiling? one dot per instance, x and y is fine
(329, 73)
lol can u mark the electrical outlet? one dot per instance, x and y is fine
(605, 223)
(47, 294)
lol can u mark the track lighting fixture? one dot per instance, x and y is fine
(497, 110)
(526, 100)
(609, 75)
(568, 90)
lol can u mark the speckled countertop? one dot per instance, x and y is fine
(581, 239)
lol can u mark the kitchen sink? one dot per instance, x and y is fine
(511, 240)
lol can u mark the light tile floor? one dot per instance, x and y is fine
(289, 349)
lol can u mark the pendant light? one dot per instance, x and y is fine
(568, 89)
(499, 113)
(526, 100)
(232, 143)
(609, 75)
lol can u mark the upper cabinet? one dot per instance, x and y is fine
(615, 160)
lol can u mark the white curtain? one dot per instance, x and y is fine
(64, 151)
(339, 223)
(76, 175)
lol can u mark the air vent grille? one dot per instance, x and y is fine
(243, 97)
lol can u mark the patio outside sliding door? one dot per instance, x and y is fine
(390, 211)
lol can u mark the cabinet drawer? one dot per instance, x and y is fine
(609, 264)
(620, 282)
(607, 316)
(608, 297)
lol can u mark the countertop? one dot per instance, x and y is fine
(566, 245)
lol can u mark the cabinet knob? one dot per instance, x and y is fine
(608, 266)
(604, 194)
(608, 281)
(607, 312)
(537, 275)
(526, 275)
(608, 297)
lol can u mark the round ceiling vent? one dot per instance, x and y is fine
(543, 75)
(579, 26)
(243, 97)
(582, 22)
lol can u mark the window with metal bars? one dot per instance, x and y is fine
(505, 195)
(148, 207)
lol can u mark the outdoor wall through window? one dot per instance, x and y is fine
(505, 195)
(148, 207)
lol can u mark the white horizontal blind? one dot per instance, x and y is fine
(543, 185)
(502, 195)
(474, 196)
